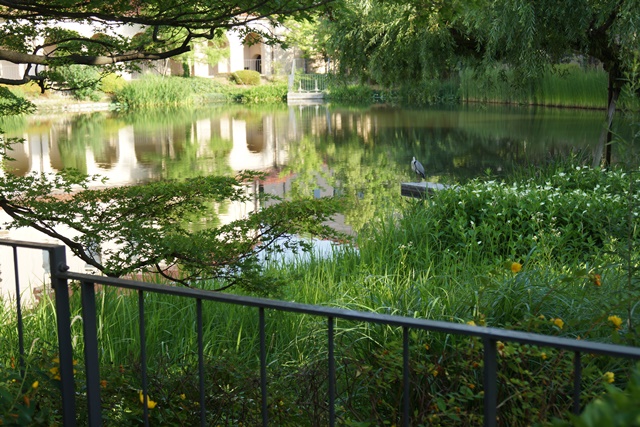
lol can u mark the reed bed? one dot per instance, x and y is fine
(567, 86)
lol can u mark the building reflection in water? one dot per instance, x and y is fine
(126, 154)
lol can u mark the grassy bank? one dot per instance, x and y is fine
(151, 92)
(568, 86)
(551, 251)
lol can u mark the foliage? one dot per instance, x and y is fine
(350, 94)
(117, 34)
(165, 92)
(112, 83)
(154, 91)
(245, 77)
(273, 93)
(395, 43)
(12, 104)
(569, 85)
(392, 42)
(615, 408)
(152, 225)
(555, 213)
(397, 268)
(81, 80)
(308, 36)
(209, 51)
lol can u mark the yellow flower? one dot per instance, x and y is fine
(183, 396)
(516, 267)
(35, 385)
(55, 372)
(150, 403)
(558, 322)
(616, 320)
(471, 323)
(608, 377)
(543, 355)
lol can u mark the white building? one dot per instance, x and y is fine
(245, 53)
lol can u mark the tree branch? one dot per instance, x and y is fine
(24, 58)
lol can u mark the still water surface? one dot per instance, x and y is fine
(317, 150)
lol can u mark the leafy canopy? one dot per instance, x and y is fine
(53, 32)
(393, 42)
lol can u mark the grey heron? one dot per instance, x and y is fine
(417, 167)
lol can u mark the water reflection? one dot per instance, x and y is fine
(306, 151)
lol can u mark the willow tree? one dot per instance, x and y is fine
(530, 35)
(394, 42)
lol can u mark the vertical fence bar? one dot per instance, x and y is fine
(332, 373)
(405, 377)
(63, 314)
(490, 376)
(263, 366)
(577, 381)
(19, 312)
(203, 412)
(91, 365)
(143, 359)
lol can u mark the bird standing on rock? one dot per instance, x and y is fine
(417, 167)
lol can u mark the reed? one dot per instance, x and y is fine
(156, 91)
(567, 86)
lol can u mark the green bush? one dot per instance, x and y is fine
(246, 77)
(82, 81)
(273, 93)
(350, 93)
(615, 408)
(111, 83)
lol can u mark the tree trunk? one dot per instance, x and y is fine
(602, 153)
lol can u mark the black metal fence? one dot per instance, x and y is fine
(59, 282)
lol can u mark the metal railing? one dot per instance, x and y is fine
(59, 281)
(307, 82)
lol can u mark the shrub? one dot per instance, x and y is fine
(111, 83)
(274, 93)
(81, 80)
(615, 408)
(350, 93)
(246, 77)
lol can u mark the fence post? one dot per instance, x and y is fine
(490, 374)
(16, 273)
(91, 361)
(63, 315)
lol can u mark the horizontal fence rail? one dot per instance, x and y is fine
(488, 336)
(308, 82)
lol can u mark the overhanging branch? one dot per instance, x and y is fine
(26, 58)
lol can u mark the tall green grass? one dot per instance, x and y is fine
(154, 91)
(567, 86)
(572, 230)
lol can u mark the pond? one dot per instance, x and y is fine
(313, 150)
